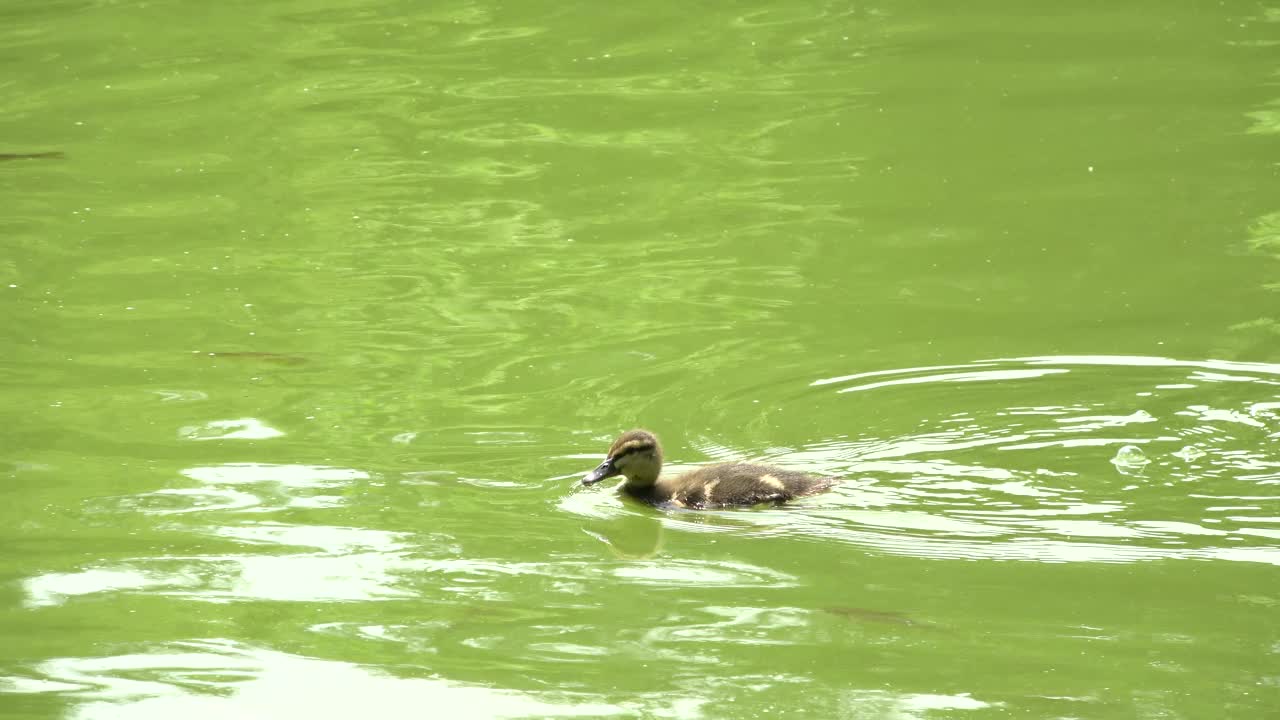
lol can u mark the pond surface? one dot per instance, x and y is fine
(313, 314)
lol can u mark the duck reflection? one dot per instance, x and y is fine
(635, 535)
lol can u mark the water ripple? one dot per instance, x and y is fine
(1019, 464)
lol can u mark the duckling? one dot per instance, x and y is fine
(637, 456)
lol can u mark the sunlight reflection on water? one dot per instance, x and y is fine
(217, 679)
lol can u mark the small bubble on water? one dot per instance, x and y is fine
(1130, 457)
(1190, 452)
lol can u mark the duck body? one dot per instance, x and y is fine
(637, 456)
(730, 485)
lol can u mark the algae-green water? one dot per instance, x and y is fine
(313, 314)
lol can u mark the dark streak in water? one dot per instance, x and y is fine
(880, 617)
(52, 155)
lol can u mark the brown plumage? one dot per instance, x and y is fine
(637, 456)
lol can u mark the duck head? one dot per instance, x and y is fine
(635, 455)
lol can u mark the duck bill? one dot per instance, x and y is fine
(604, 470)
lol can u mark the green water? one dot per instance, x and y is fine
(311, 331)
